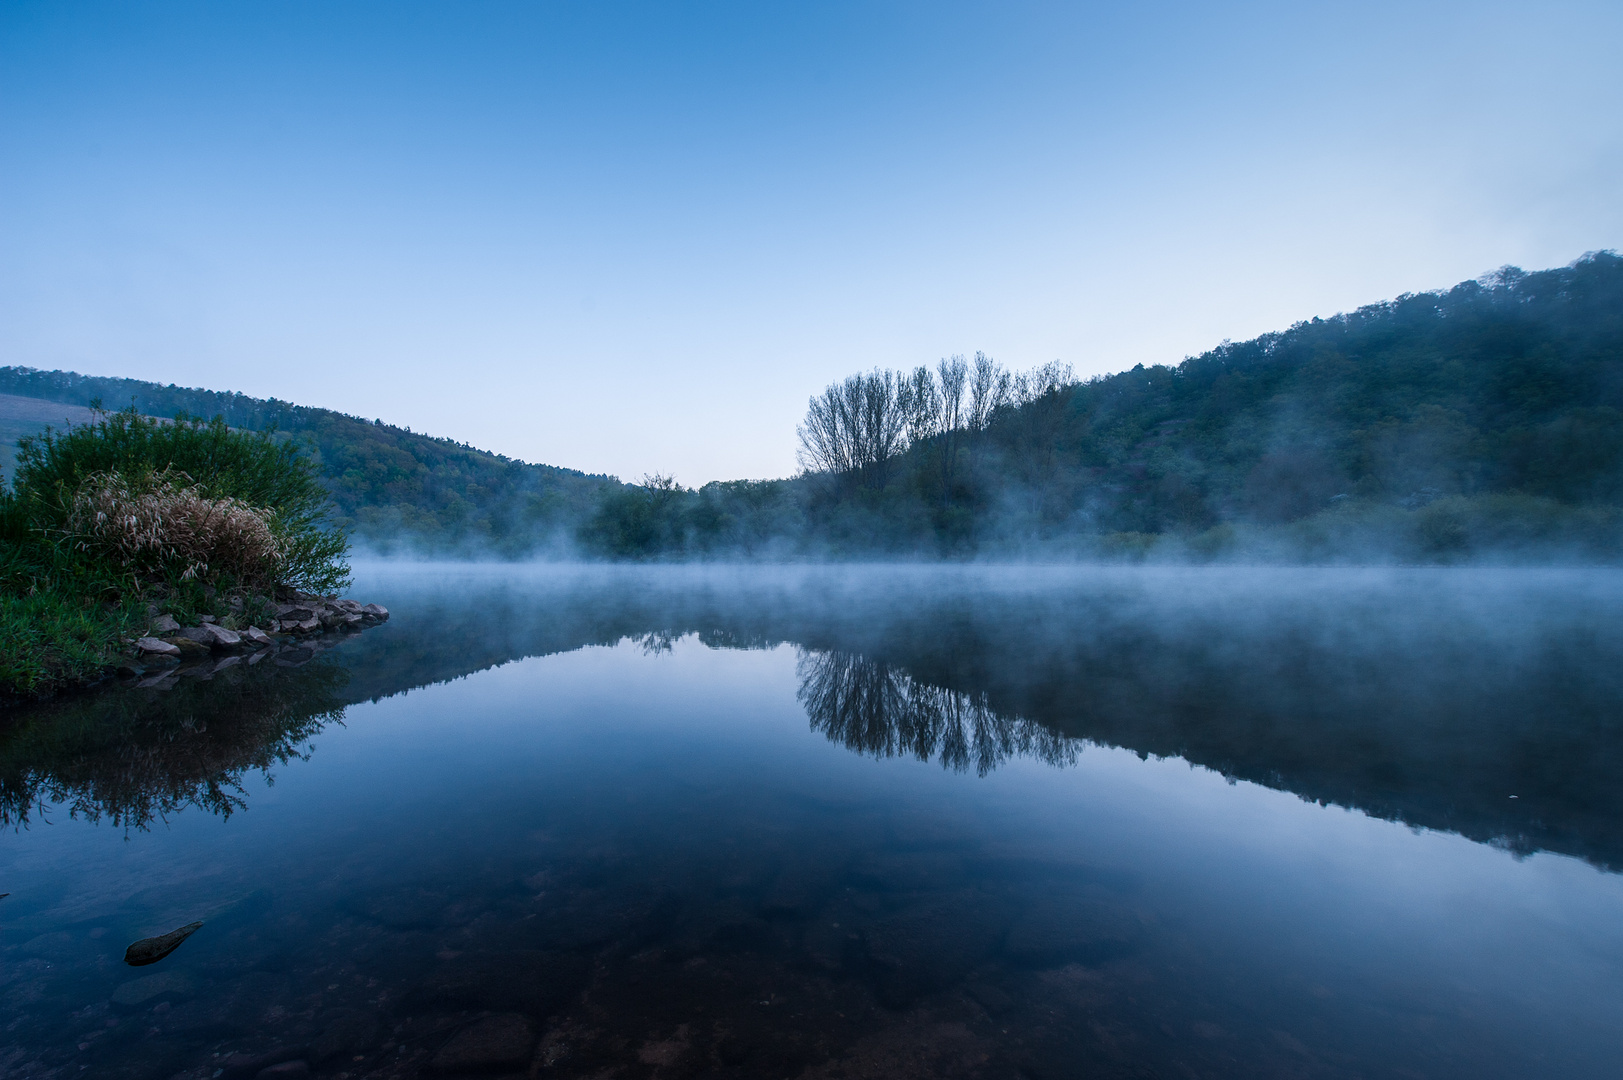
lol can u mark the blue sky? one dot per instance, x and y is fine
(636, 237)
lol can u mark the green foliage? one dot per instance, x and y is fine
(50, 639)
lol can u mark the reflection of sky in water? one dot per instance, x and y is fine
(1037, 918)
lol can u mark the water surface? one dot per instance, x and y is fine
(865, 822)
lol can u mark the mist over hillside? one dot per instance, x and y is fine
(1485, 420)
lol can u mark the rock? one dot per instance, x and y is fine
(348, 607)
(287, 1070)
(1088, 926)
(151, 950)
(495, 1043)
(165, 624)
(256, 637)
(157, 646)
(187, 646)
(350, 1033)
(377, 611)
(139, 992)
(127, 670)
(207, 619)
(241, 1066)
(331, 619)
(221, 638)
(920, 951)
(990, 998)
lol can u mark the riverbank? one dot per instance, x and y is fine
(50, 645)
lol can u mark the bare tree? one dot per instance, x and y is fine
(1039, 382)
(854, 428)
(920, 403)
(989, 387)
(954, 372)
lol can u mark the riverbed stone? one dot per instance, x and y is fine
(1088, 926)
(150, 989)
(494, 1043)
(256, 637)
(165, 624)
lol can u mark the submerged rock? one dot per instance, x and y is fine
(498, 1042)
(138, 992)
(151, 950)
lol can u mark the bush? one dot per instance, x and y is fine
(106, 517)
(134, 501)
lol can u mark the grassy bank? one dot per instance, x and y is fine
(110, 526)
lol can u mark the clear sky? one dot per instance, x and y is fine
(636, 237)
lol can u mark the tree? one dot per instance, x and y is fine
(854, 428)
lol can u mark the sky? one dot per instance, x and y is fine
(635, 238)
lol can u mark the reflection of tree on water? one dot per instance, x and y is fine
(873, 708)
(134, 756)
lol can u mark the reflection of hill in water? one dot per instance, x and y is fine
(1428, 697)
(132, 756)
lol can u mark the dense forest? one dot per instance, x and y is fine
(1484, 420)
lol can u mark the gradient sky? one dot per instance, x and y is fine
(636, 237)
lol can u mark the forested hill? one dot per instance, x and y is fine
(389, 484)
(1486, 419)
(1513, 384)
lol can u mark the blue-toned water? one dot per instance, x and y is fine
(876, 822)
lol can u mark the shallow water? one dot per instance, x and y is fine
(866, 822)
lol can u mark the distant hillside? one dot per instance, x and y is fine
(391, 486)
(1487, 418)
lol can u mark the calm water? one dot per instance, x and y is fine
(862, 823)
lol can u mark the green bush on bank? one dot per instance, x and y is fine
(104, 522)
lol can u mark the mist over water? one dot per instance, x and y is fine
(864, 821)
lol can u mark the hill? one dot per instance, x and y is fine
(1485, 419)
(391, 487)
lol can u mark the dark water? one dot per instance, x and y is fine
(866, 823)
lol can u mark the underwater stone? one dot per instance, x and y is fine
(151, 950)
(497, 1042)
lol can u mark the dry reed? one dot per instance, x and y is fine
(163, 524)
